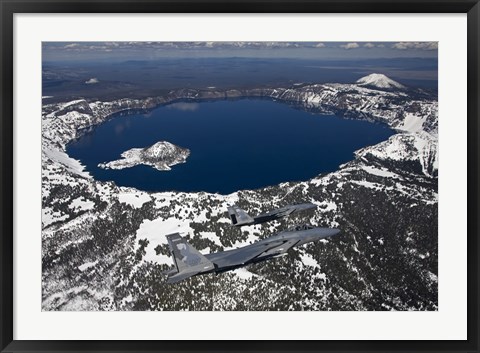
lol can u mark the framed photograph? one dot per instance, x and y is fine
(244, 176)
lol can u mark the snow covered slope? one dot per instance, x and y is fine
(104, 246)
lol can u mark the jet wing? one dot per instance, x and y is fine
(278, 211)
(244, 255)
(282, 248)
(288, 210)
(181, 276)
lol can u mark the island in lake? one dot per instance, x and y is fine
(161, 156)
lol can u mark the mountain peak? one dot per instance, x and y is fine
(379, 81)
(164, 150)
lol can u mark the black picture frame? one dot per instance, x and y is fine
(9, 7)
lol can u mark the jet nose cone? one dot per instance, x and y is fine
(307, 206)
(328, 232)
(332, 231)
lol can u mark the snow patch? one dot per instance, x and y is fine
(133, 198)
(243, 273)
(87, 265)
(412, 123)
(308, 260)
(72, 165)
(379, 172)
(155, 232)
(50, 217)
(212, 236)
(81, 204)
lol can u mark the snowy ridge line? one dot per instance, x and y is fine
(403, 111)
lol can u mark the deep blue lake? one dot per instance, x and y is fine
(234, 145)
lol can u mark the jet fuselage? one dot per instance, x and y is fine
(261, 250)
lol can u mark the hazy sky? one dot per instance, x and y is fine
(121, 51)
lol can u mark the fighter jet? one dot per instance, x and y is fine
(241, 218)
(189, 262)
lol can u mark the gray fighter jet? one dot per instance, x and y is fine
(241, 218)
(189, 262)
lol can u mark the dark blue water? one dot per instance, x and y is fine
(234, 145)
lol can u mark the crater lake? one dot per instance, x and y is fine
(234, 145)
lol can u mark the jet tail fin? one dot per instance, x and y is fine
(239, 217)
(188, 260)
